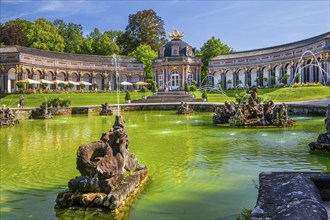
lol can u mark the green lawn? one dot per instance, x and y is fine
(288, 94)
(77, 99)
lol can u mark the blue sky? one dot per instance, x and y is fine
(242, 25)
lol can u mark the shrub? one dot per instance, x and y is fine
(154, 87)
(61, 85)
(295, 85)
(94, 85)
(70, 86)
(144, 89)
(20, 85)
(55, 102)
(134, 86)
(58, 102)
(107, 86)
(44, 85)
(193, 88)
(127, 96)
(186, 87)
(204, 94)
(65, 102)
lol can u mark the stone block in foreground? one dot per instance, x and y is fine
(292, 195)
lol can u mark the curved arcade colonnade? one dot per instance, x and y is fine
(305, 61)
(18, 63)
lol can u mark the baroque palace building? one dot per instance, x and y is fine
(18, 63)
(176, 64)
(304, 61)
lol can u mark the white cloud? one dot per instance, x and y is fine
(56, 8)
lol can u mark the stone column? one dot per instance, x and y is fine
(302, 75)
(269, 76)
(311, 73)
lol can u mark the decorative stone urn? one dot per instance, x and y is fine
(110, 174)
(323, 140)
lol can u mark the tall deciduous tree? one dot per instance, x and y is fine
(144, 27)
(72, 34)
(44, 35)
(101, 44)
(13, 32)
(212, 48)
(146, 55)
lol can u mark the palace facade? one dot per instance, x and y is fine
(304, 61)
(176, 64)
(18, 63)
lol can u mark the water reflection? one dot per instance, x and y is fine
(197, 170)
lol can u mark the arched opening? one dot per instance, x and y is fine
(37, 75)
(264, 81)
(217, 79)
(11, 80)
(287, 74)
(230, 79)
(86, 78)
(123, 78)
(74, 78)
(307, 71)
(254, 78)
(277, 73)
(241, 78)
(99, 80)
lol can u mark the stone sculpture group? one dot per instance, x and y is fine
(184, 108)
(41, 113)
(252, 113)
(106, 110)
(109, 173)
(7, 117)
(323, 140)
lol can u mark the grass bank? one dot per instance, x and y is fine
(287, 94)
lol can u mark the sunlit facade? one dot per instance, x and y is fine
(18, 63)
(305, 61)
(176, 64)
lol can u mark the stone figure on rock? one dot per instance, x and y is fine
(109, 172)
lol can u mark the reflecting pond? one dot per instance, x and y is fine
(198, 170)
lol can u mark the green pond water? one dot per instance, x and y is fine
(198, 170)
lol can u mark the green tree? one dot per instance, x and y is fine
(44, 35)
(86, 47)
(146, 55)
(12, 35)
(144, 27)
(13, 32)
(212, 48)
(72, 35)
(101, 44)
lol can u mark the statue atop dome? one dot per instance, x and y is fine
(176, 34)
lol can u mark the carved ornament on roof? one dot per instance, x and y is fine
(176, 34)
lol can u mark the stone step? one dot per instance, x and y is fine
(166, 100)
(169, 97)
(172, 93)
